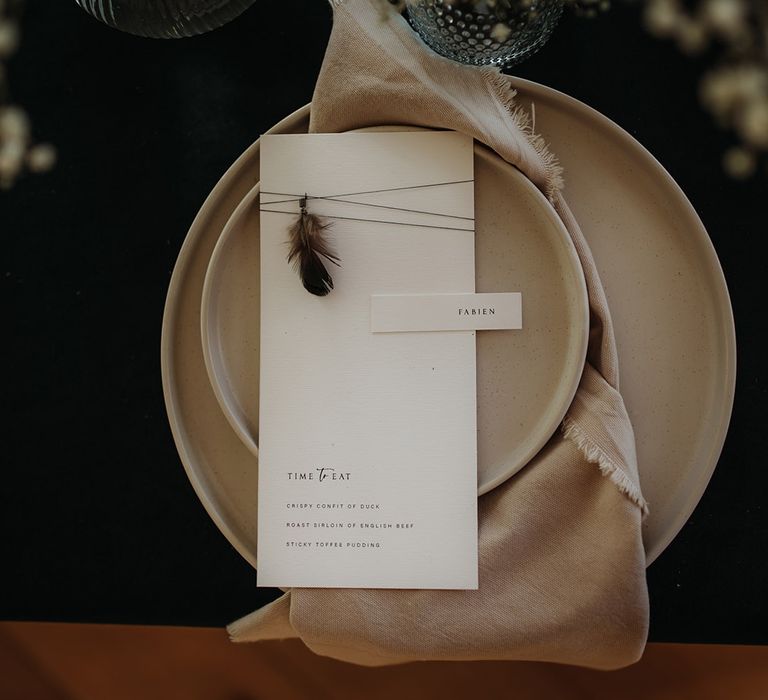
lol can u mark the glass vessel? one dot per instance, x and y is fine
(165, 19)
(485, 32)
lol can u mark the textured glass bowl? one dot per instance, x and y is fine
(165, 19)
(485, 32)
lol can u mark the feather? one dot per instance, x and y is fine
(307, 248)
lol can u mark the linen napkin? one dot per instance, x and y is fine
(562, 564)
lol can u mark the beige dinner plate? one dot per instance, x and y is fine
(670, 306)
(526, 378)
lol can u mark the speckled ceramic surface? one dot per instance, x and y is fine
(672, 316)
(525, 379)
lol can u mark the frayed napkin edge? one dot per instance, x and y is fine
(526, 122)
(608, 468)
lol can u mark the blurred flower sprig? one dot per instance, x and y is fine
(735, 88)
(18, 152)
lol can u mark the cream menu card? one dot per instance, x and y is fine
(367, 441)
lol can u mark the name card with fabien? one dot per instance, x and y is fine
(399, 313)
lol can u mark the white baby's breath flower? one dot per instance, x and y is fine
(752, 122)
(692, 37)
(662, 16)
(9, 37)
(739, 163)
(718, 92)
(14, 123)
(11, 160)
(726, 17)
(17, 152)
(728, 89)
(750, 80)
(41, 158)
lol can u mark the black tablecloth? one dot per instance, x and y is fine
(99, 520)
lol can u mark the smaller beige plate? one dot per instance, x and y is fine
(526, 379)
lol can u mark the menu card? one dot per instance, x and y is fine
(367, 440)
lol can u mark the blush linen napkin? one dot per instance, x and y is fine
(562, 564)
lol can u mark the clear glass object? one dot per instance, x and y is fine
(165, 19)
(485, 32)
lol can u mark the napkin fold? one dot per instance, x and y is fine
(562, 564)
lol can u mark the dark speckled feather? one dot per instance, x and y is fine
(308, 247)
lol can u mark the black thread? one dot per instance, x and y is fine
(349, 194)
(337, 198)
(373, 221)
(377, 206)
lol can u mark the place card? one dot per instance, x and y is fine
(367, 441)
(392, 313)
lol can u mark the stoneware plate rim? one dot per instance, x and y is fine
(563, 104)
